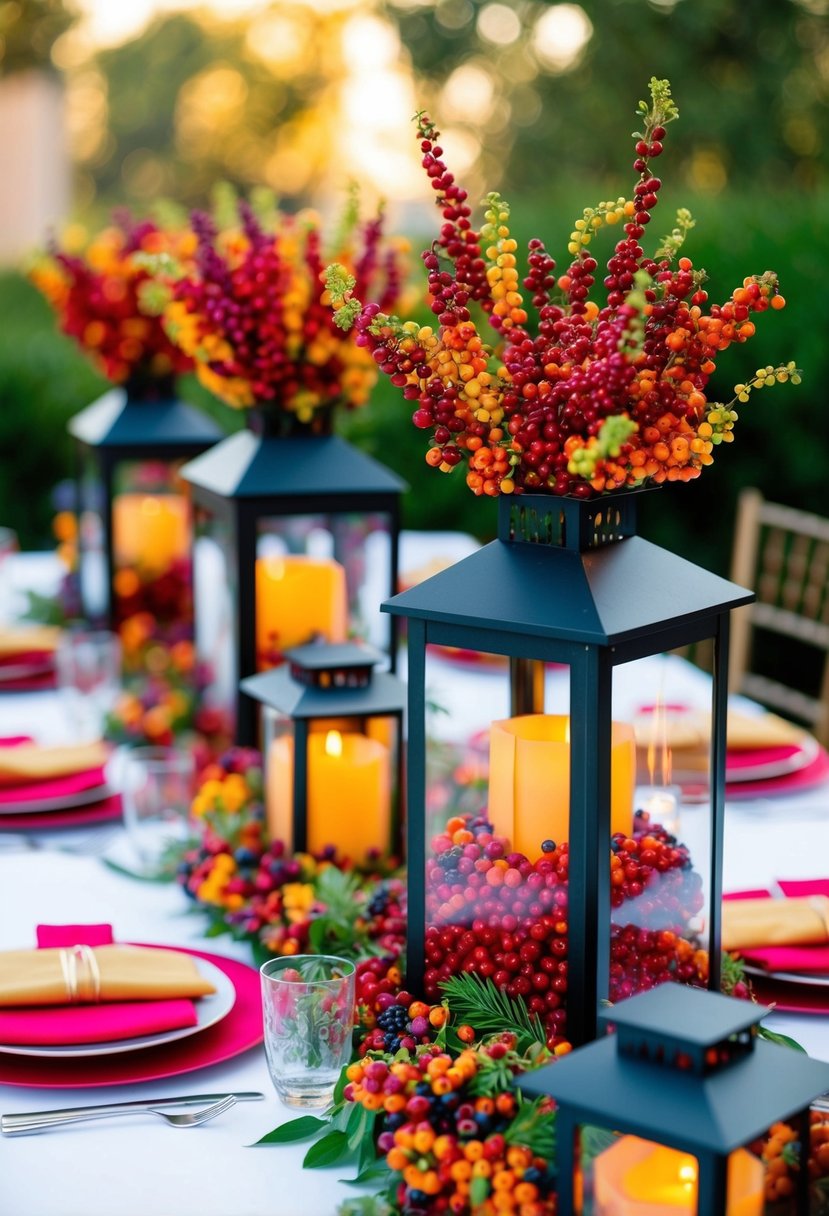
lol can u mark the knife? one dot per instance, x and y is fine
(9, 1124)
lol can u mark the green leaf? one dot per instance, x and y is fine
(328, 1151)
(478, 1191)
(378, 1171)
(294, 1129)
(783, 1040)
(339, 1088)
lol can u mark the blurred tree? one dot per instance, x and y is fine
(539, 81)
(28, 31)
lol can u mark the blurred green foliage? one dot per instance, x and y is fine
(28, 31)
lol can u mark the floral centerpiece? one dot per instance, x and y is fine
(606, 387)
(252, 312)
(96, 293)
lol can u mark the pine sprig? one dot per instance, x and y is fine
(534, 1128)
(484, 1006)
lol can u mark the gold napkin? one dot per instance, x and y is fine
(30, 762)
(22, 639)
(688, 735)
(800, 921)
(81, 975)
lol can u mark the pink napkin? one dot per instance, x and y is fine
(809, 959)
(78, 1024)
(54, 787)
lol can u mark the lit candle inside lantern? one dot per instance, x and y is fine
(529, 779)
(297, 598)
(636, 1177)
(150, 531)
(348, 796)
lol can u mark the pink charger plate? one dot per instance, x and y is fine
(239, 1031)
(787, 998)
(97, 812)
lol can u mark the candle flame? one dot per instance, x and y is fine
(333, 743)
(658, 744)
(688, 1175)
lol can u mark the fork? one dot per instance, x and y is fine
(12, 1125)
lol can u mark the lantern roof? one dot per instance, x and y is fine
(117, 420)
(691, 1016)
(599, 596)
(386, 694)
(717, 1113)
(248, 465)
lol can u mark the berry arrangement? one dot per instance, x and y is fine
(450, 1144)
(493, 913)
(250, 308)
(607, 386)
(96, 294)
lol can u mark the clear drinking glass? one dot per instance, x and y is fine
(308, 1005)
(88, 666)
(156, 786)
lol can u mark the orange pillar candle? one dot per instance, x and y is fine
(529, 779)
(298, 597)
(349, 792)
(636, 1177)
(150, 531)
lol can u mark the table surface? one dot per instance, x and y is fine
(137, 1164)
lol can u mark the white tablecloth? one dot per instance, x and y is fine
(138, 1165)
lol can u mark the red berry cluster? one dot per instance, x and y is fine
(251, 309)
(494, 913)
(97, 297)
(603, 394)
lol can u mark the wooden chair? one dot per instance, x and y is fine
(783, 556)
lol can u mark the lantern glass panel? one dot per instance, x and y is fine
(495, 904)
(351, 782)
(625, 1175)
(151, 534)
(215, 592)
(321, 574)
(94, 584)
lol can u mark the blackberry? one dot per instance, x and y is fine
(379, 902)
(394, 1023)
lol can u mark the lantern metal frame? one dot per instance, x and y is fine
(257, 475)
(353, 690)
(625, 1082)
(123, 426)
(567, 581)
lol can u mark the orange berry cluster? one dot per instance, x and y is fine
(455, 1150)
(96, 293)
(591, 396)
(780, 1154)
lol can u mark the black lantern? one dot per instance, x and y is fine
(332, 750)
(134, 535)
(567, 582)
(659, 1116)
(297, 540)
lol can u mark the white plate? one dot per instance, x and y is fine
(209, 1010)
(788, 977)
(59, 802)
